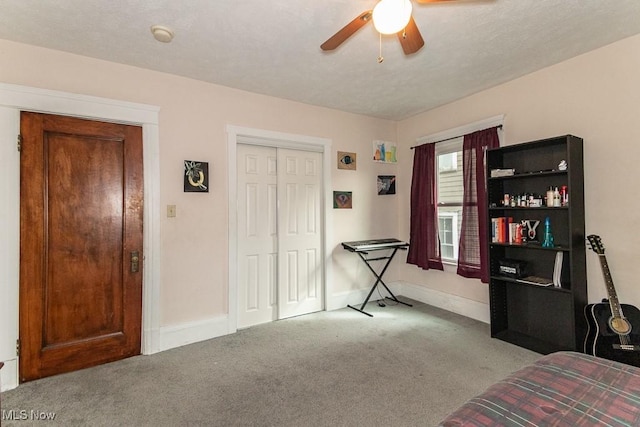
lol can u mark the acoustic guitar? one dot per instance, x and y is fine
(613, 328)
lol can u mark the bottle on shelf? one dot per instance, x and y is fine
(556, 198)
(564, 194)
(547, 241)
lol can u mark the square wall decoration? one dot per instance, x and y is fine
(386, 184)
(196, 177)
(384, 152)
(346, 160)
(342, 200)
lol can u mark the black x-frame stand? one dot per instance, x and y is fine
(363, 248)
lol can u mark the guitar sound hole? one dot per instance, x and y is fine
(620, 326)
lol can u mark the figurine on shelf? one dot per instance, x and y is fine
(547, 242)
(529, 228)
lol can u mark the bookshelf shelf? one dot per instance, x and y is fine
(516, 208)
(535, 246)
(541, 318)
(527, 341)
(562, 289)
(529, 175)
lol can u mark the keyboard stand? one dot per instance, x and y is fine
(362, 254)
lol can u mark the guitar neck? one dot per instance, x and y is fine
(616, 310)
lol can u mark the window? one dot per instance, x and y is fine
(448, 231)
(448, 162)
(443, 194)
(450, 192)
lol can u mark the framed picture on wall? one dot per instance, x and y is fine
(342, 200)
(386, 184)
(384, 152)
(196, 177)
(346, 160)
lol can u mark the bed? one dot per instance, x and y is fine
(560, 389)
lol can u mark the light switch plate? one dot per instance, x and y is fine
(171, 211)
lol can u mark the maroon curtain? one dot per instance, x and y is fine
(424, 249)
(472, 257)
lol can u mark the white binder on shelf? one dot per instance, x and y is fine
(557, 269)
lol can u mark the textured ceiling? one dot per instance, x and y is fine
(273, 47)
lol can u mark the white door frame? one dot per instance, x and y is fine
(23, 98)
(242, 135)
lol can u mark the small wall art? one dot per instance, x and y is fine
(346, 160)
(384, 152)
(386, 184)
(342, 200)
(196, 177)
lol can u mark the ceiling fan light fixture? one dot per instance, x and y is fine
(391, 16)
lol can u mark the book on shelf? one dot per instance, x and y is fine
(495, 173)
(504, 230)
(535, 280)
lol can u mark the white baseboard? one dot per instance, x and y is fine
(343, 299)
(151, 341)
(192, 332)
(9, 375)
(456, 304)
(168, 337)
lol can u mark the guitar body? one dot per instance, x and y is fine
(602, 341)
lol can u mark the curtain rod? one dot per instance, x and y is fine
(448, 139)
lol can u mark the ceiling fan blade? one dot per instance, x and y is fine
(347, 31)
(410, 38)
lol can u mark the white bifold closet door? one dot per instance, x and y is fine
(280, 267)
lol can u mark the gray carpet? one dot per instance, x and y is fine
(407, 366)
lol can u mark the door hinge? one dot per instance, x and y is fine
(18, 348)
(19, 143)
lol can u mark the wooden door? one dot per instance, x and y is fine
(300, 266)
(81, 213)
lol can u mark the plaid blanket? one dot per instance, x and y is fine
(561, 389)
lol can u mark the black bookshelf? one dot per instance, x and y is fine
(541, 318)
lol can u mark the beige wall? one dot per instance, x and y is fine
(193, 118)
(595, 96)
